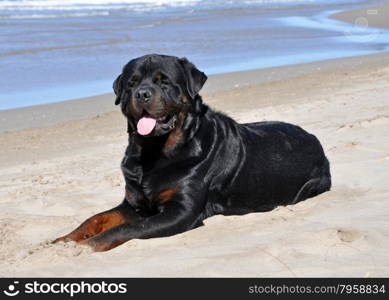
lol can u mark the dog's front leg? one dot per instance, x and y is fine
(175, 217)
(101, 222)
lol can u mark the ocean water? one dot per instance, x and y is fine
(55, 50)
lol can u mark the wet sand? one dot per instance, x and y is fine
(376, 16)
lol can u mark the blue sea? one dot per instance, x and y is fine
(55, 50)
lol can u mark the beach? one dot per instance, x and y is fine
(60, 161)
(55, 176)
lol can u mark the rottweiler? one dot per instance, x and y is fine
(186, 162)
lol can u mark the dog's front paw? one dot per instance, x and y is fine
(64, 238)
(101, 243)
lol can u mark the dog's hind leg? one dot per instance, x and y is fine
(305, 190)
(315, 185)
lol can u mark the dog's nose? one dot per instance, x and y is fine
(143, 95)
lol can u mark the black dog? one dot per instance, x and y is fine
(186, 162)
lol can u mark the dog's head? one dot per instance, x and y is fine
(156, 90)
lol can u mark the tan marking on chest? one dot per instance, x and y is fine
(166, 195)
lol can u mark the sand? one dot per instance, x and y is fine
(53, 177)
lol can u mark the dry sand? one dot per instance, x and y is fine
(53, 177)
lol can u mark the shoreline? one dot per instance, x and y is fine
(77, 109)
(85, 107)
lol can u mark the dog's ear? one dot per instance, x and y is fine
(195, 79)
(117, 88)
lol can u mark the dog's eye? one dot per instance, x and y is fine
(161, 80)
(165, 82)
(132, 82)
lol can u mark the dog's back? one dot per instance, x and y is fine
(280, 164)
(291, 161)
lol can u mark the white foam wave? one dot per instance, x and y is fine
(51, 16)
(86, 4)
(36, 9)
(100, 4)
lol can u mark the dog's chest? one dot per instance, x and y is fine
(157, 180)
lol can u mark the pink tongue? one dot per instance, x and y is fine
(146, 125)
